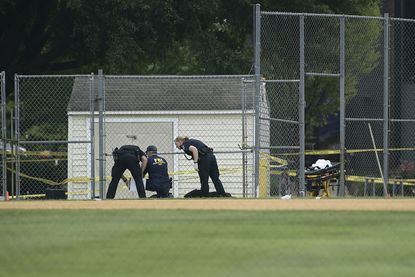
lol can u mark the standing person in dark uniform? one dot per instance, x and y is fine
(158, 175)
(127, 157)
(204, 163)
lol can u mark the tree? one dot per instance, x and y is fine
(158, 37)
(134, 37)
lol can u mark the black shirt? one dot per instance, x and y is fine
(131, 150)
(157, 169)
(201, 147)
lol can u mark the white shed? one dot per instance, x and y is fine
(146, 110)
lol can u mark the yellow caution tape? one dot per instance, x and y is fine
(45, 153)
(86, 179)
(348, 151)
(281, 162)
(51, 154)
(377, 180)
(37, 161)
(358, 179)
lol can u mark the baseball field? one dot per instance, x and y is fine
(223, 237)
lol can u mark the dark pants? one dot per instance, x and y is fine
(161, 188)
(208, 167)
(131, 163)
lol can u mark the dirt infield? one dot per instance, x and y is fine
(223, 204)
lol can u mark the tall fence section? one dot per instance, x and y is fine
(332, 87)
(49, 145)
(341, 89)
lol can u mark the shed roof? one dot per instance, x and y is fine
(165, 93)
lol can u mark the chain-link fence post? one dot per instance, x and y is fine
(11, 163)
(3, 134)
(386, 104)
(257, 92)
(101, 104)
(92, 132)
(244, 137)
(17, 136)
(342, 108)
(301, 170)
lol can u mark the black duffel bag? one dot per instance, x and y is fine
(197, 193)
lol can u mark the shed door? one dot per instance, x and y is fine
(138, 133)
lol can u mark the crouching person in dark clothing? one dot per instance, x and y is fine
(204, 163)
(128, 157)
(158, 176)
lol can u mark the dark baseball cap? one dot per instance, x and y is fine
(151, 148)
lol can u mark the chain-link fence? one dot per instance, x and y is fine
(68, 126)
(153, 110)
(341, 90)
(45, 135)
(401, 99)
(326, 87)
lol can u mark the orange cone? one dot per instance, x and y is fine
(7, 195)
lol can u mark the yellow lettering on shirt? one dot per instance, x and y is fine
(158, 162)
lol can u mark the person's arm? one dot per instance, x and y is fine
(145, 169)
(195, 157)
(195, 153)
(143, 164)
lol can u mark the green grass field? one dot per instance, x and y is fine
(206, 243)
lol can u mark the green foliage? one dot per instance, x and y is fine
(322, 99)
(280, 53)
(141, 37)
(47, 131)
(363, 43)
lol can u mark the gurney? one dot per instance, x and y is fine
(321, 180)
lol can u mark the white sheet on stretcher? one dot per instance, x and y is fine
(321, 163)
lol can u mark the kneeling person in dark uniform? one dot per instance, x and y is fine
(158, 176)
(204, 162)
(128, 157)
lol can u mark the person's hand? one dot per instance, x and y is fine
(196, 166)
